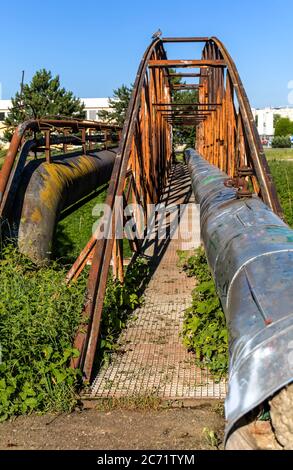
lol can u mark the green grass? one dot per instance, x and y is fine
(74, 231)
(282, 173)
(279, 154)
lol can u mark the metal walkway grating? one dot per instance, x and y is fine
(151, 359)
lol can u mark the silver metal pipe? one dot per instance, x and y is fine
(250, 253)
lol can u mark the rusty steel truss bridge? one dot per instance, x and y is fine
(242, 227)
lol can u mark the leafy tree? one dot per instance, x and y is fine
(118, 106)
(42, 97)
(284, 127)
(276, 118)
(184, 134)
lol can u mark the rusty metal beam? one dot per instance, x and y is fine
(187, 114)
(186, 104)
(191, 116)
(186, 123)
(182, 75)
(186, 86)
(187, 63)
(186, 39)
(184, 118)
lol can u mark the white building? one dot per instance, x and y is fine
(92, 108)
(4, 108)
(265, 119)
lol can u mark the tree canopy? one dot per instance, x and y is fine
(283, 127)
(118, 106)
(42, 97)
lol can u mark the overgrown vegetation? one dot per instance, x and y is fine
(120, 299)
(39, 316)
(204, 328)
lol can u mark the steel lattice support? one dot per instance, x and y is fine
(226, 137)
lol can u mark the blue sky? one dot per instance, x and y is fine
(96, 45)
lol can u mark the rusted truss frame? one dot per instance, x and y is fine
(229, 138)
(224, 137)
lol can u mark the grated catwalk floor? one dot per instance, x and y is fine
(151, 359)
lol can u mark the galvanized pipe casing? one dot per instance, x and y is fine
(48, 188)
(250, 253)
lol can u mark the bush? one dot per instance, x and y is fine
(204, 327)
(39, 315)
(281, 142)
